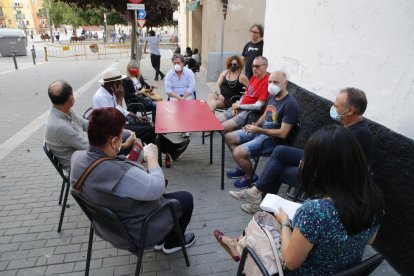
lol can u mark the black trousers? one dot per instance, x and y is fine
(146, 133)
(156, 63)
(187, 205)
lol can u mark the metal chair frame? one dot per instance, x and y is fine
(65, 183)
(364, 268)
(105, 216)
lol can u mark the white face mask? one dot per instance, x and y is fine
(273, 89)
(177, 68)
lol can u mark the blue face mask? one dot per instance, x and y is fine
(334, 114)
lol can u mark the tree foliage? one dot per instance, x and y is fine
(71, 14)
(159, 12)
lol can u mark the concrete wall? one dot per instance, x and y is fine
(326, 45)
(241, 15)
(392, 168)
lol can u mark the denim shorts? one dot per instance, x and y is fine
(253, 142)
(240, 118)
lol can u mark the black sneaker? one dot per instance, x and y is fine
(172, 247)
(159, 246)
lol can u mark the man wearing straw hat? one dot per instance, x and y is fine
(111, 94)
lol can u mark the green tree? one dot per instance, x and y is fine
(57, 11)
(159, 12)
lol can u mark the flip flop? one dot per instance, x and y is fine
(219, 235)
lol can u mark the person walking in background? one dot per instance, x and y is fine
(153, 42)
(253, 48)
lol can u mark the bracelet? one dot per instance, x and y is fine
(287, 224)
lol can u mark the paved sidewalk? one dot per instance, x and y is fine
(30, 186)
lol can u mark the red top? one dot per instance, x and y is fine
(185, 116)
(256, 91)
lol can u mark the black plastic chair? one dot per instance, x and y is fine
(105, 217)
(249, 251)
(65, 183)
(87, 113)
(136, 104)
(362, 269)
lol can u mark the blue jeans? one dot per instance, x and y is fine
(282, 167)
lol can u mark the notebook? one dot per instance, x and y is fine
(272, 202)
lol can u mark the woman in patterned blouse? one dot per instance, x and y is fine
(329, 231)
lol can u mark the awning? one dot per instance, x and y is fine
(192, 6)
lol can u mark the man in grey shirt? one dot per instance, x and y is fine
(65, 130)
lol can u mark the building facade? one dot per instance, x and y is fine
(329, 45)
(200, 25)
(23, 14)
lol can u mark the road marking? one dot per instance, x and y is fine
(20, 68)
(13, 142)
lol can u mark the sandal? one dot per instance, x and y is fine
(219, 237)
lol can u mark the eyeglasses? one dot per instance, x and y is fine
(254, 32)
(257, 66)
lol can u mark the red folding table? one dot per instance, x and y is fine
(188, 116)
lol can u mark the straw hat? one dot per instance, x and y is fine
(112, 74)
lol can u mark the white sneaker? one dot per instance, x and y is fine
(243, 195)
(251, 208)
(186, 135)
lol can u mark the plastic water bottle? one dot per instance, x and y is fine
(137, 153)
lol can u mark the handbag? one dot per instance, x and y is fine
(262, 234)
(150, 94)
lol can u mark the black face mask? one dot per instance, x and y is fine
(234, 67)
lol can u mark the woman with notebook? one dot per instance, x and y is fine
(329, 232)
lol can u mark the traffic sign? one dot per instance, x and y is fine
(141, 22)
(135, 6)
(141, 14)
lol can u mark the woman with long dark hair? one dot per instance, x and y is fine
(330, 230)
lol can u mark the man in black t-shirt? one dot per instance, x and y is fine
(282, 166)
(253, 48)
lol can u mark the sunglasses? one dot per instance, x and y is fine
(257, 66)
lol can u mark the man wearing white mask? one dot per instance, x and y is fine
(283, 165)
(180, 82)
(281, 114)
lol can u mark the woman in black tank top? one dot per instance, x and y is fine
(231, 82)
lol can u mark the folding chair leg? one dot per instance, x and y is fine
(89, 254)
(62, 213)
(61, 191)
(180, 234)
(139, 262)
(182, 240)
(256, 162)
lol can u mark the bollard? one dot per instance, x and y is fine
(33, 56)
(45, 53)
(14, 60)
(34, 51)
